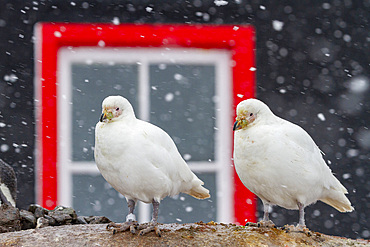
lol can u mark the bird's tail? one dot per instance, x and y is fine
(338, 200)
(199, 192)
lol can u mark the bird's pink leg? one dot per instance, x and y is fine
(130, 223)
(265, 222)
(301, 226)
(153, 225)
(301, 215)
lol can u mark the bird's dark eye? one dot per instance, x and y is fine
(251, 114)
(117, 109)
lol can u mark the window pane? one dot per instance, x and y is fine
(92, 195)
(186, 209)
(182, 104)
(91, 84)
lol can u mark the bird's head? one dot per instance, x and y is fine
(248, 112)
(114, 108)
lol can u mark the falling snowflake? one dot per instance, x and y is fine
(116, 21)
(169, 97)
(277, 25)
(321, 117)
(221, 2)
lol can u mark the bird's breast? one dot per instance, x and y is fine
(248, 149)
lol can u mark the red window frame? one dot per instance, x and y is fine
(240, 40)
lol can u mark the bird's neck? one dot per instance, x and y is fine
(266, 119)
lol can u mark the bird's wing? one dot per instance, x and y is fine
(307, 147)
(299, 136)
(162, 152)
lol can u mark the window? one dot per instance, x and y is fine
(176, 76)
(176, 89)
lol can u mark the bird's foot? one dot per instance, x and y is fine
(122, 227)
(298, 228)
(267, 224)
(262, 223)
(149, 227)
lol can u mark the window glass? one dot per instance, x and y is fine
(91, 83)
(181, 102)
(92, 195)
(187, 209)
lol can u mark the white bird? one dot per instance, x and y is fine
(140, 161)
(280, 163)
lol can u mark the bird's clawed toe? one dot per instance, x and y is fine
(110, 225)
(158, 232)
(133, 229)
(298, 228)
(122, 227)
(267, 224)
(133, 226)
(146, 228)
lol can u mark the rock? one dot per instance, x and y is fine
(63, 215)
(60, 217)
(42, 222)
(97, 219)
(28, 220)
(39, 217)
(9, 218)
(56, 228)
(91, 231)
(213, 234)
(51, 221)
(37, 210)
(68, 213)
(81, 220)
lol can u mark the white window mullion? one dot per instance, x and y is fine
(223, 139)
(144, 90)
(144, 114)
(84, 168)
(64, 163)
(203, 166)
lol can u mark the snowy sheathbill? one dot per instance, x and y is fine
(280, 163)
(141, 162)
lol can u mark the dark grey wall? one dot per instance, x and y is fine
(316, 65)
